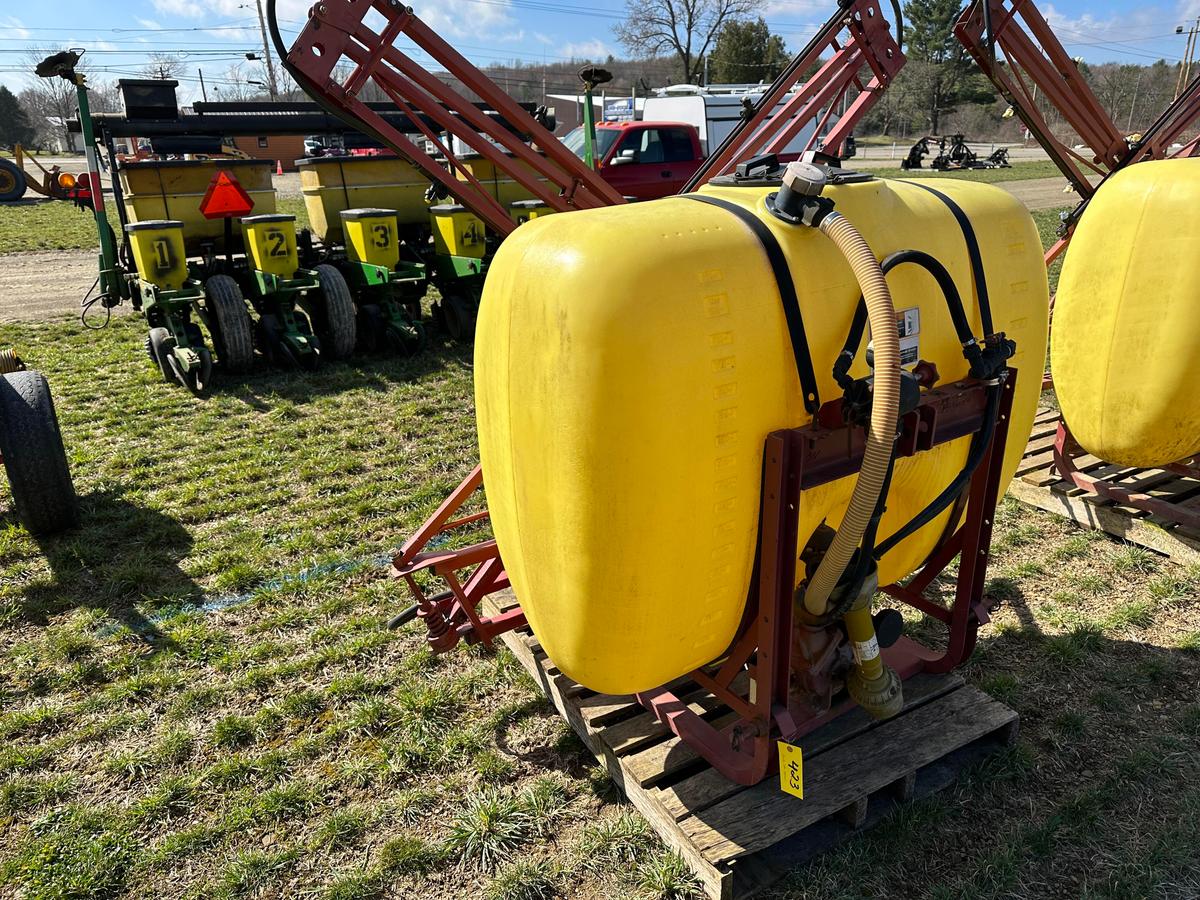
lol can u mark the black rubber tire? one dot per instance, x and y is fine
(230, 323)
(332, 313)
(34, 458)
(12, 181)
(158, 345)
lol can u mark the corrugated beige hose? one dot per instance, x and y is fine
(884, 404)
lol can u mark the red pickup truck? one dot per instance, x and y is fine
(643, 160)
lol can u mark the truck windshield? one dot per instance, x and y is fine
(605, 138)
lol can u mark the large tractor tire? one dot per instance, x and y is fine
(12, 181)
(34, 458)
(332, 314)
(230, 323)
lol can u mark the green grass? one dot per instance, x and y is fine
(1019, 171)
(46, 225)
(198, 696)
(58, 225)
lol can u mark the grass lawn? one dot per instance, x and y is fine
(199, 698)
(59, 225)
(1019, 171)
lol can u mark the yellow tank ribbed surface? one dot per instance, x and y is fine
(631, 360)
(1127, 318)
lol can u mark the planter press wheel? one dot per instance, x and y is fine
(12, 181)
(458, 313)
(195, 380)
(158, 347)
(408, 342)
(229, 321)
(34, 458)
(371, 326)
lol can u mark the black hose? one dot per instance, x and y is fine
(979, 446)
(954, 304)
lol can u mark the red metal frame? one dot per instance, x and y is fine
(765, 648)
(1034, 60)
(867, 43)
(1067, 451)
(453, 614)
(796, 460)
(336, 34)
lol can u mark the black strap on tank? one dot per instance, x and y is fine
(787, 294)
(964, 223)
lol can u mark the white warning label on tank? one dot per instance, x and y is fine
(908, 326)
(864, 650)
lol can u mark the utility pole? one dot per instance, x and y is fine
(203, 92)
(1185, 66)
(262, 27)
(1137, 86)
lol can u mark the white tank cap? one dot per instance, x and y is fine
(804, 179)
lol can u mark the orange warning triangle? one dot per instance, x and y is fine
(225, 198)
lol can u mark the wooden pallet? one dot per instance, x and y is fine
(739, 840)
(1038, 484)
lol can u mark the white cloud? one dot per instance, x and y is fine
(587, 50)
(1137, 34)
(147, 23)
(464, 19)
(239, 35)
(15, 27)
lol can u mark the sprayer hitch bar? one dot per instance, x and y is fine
(796, 671)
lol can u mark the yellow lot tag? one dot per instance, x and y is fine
(791, 769)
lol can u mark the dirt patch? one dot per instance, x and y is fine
(1041, 193)
(39, 286)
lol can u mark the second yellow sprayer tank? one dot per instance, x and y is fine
(1127, 318)
(630, 361)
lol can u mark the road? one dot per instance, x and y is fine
(36, 286)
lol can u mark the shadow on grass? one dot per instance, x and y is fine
(378, 372)
(121, 554)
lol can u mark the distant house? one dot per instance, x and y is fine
(55, 140)
(284, 148)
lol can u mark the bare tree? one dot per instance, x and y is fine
(51, 100)
(235, 86)
(163, 66)
(686, 28)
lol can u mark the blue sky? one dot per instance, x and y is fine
(217, 33)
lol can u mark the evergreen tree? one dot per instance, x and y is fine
(746, 53)
(15, 127)
(939, 71)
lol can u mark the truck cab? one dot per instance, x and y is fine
(643, 160)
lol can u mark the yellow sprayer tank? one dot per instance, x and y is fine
(331, 184)
(1127, 318)
(173, 189)
(629, 364)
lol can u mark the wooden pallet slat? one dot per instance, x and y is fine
(740, 839)
(1038, 484)
(760, 816)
